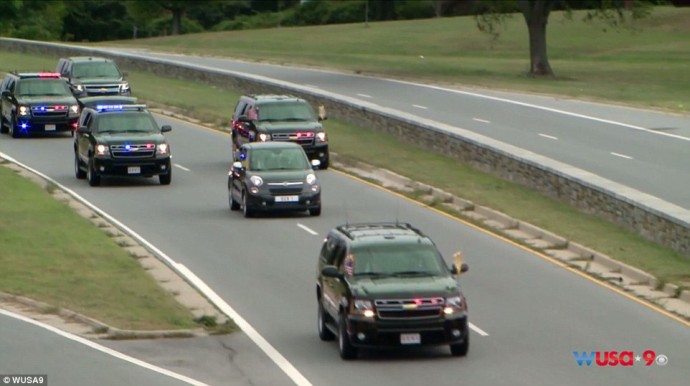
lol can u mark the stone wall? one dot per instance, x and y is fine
(649, 216)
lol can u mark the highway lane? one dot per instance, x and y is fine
(535, 312)
(643, 149)
(34, 349)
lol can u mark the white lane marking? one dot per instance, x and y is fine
(480, 120)
(420, 107)
(259, 340)
(312, 85)
(548, 136)
(181, 167)
(478, 330)
(104, 349)
(364, 95)
(306, 228)
(553, 110)
(621, 155)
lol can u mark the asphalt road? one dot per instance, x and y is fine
(530, 314)
(642, 149)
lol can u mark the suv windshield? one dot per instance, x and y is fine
(127, 122)
(30, 87)
(95, 70)
(399, 260)
(278, 159)
(286, 111)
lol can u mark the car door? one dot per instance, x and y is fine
(84, 140)
(246, 132)
(7, 88)
(333, 288)
(238, 175)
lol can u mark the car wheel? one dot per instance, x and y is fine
(234, 205)
(80, 174)
(347, 350)
(324, 164)
(315, 211)
(165, 179)
(3, 125)
(324, 333)
(461, 349)
(13, 128)
(91, 175)
(248, 212)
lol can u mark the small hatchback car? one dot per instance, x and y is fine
(382, 285)
(273, 176)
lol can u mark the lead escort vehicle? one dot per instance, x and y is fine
(121, 140)
(280, 118)
(37, 102)
(384, 285)
(274, 176)
(93, 76)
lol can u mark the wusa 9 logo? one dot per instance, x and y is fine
(619, 358)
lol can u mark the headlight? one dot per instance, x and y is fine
(256, 180)
(454, 304)
(162, 149)
(263, 137)
(363, 307)
(74, 109)
(24, 110)
(311, 179)
(321, 136)
(124, 88)
(80, 88)
(102, 150)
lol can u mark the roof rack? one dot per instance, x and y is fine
(377, 229)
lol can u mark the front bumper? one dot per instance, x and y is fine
(45, 124)
(365, 332)
(267, 202)
(128, 167)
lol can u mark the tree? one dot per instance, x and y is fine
(536, 14)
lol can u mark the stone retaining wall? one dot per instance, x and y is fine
(652, 218)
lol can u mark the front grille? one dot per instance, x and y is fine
(133, 151)
(300, 138)
(104, 89)
(421, 308)
(50, 111)
(285, 188)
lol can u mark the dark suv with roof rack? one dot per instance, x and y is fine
(36, 102)
(383, 285)
(93, 76)
(280, 118)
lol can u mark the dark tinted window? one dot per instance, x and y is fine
(286, 111)
(95, 70)
(127, 122)
(38, 86)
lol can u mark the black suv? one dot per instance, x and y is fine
(121, 140)
(89, 76)
(387, 285)
(36, 102)
(280, 118)
(272, 176)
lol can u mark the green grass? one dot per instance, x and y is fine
(51, 254)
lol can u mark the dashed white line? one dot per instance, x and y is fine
(364, 95)
(481, 120)
(181, 167)
(548, 136)
(478, 330)
(420, 107)
(621, 155)
(307, 229)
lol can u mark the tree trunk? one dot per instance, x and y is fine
(536, 13)
(176, 21)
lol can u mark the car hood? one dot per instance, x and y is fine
(289, 126)
(97, 81)
(131, 138)
(405, 287)
(47, 99)
(270, 176)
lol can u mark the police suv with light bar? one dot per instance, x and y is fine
(36, 102)
(121, 140)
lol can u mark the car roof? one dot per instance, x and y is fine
(107, 100)
(368, 232)
(271, 145)
(89, 59)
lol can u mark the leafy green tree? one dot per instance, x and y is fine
(97, 20)
(31, 19)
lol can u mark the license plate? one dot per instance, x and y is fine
(133, 170)
(49, 127)
(287, 198)
(410, 339)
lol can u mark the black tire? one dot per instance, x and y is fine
(165, 179)
(315, 211)
(461, 349)
(247, 211)
(325, 333)
(324, 164)
(91, 175)
(80, 174)
(13, 126)
(3, 125)
(234, 205)
(347, 350)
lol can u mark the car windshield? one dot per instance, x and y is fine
(38, 86)
(127, 122)
(397, 260)
(278, 159)
(95, 70)
(286, 111)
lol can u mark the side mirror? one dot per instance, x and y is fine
(331, 271)
(5, 93)
(322, 113)
(83, 129)
(124, 74)
(243, 118)
(166, 128)
(315, 164)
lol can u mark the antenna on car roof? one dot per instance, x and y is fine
(347, 214)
